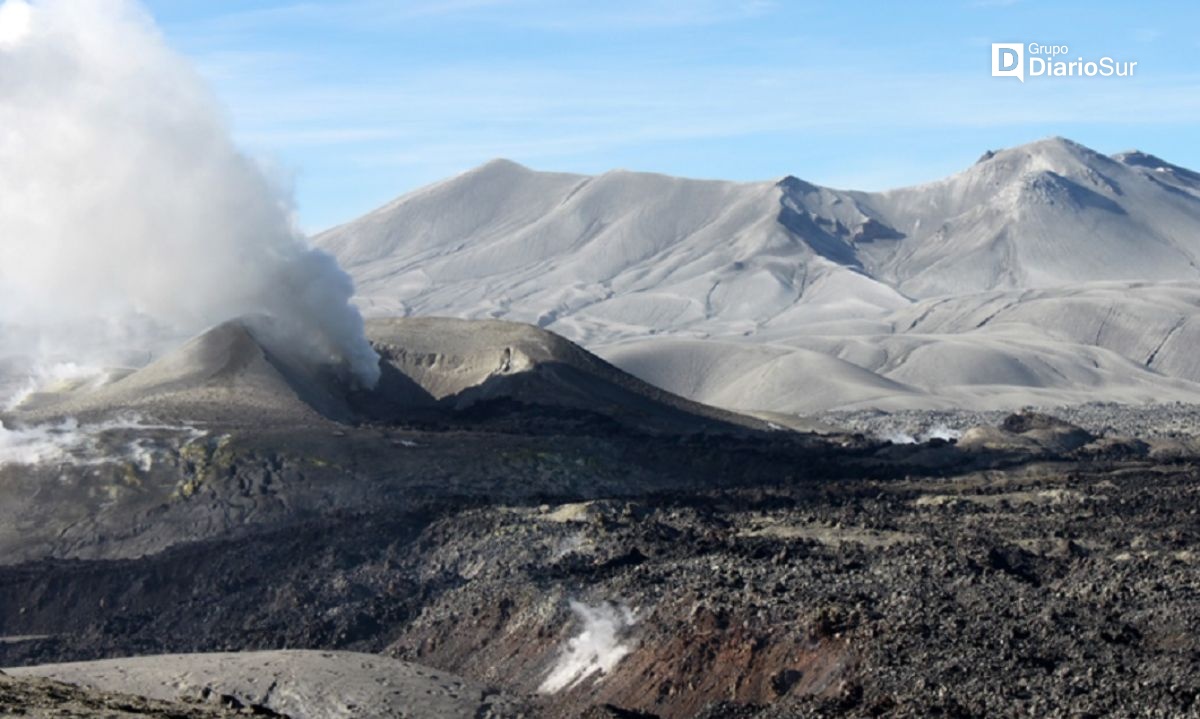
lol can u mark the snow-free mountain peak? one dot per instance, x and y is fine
(1159, 170)
(624, 256)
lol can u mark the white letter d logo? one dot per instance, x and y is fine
(1008, 60)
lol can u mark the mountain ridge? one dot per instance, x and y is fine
(624, 257)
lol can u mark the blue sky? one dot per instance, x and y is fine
(362, 100)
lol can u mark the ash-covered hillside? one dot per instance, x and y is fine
(1043, 274)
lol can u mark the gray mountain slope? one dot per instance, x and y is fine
(1043, 273)
(1041, 215)
(294, 683)
(453, 364)
(227, 372)
(615, 254)
(432, 368)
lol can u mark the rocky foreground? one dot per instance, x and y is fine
(285, 683)
(1027, 570)
(46, 699)
(510, 527)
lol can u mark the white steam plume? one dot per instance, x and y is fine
(68, 442)
(127, 216)
(938, 431)
(600, 645)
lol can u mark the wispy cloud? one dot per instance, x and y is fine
(1147, 34)
(651, 14)
(401, 91)
(456, 115)
(549, 15)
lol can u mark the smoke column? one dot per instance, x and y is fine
(126, 213)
